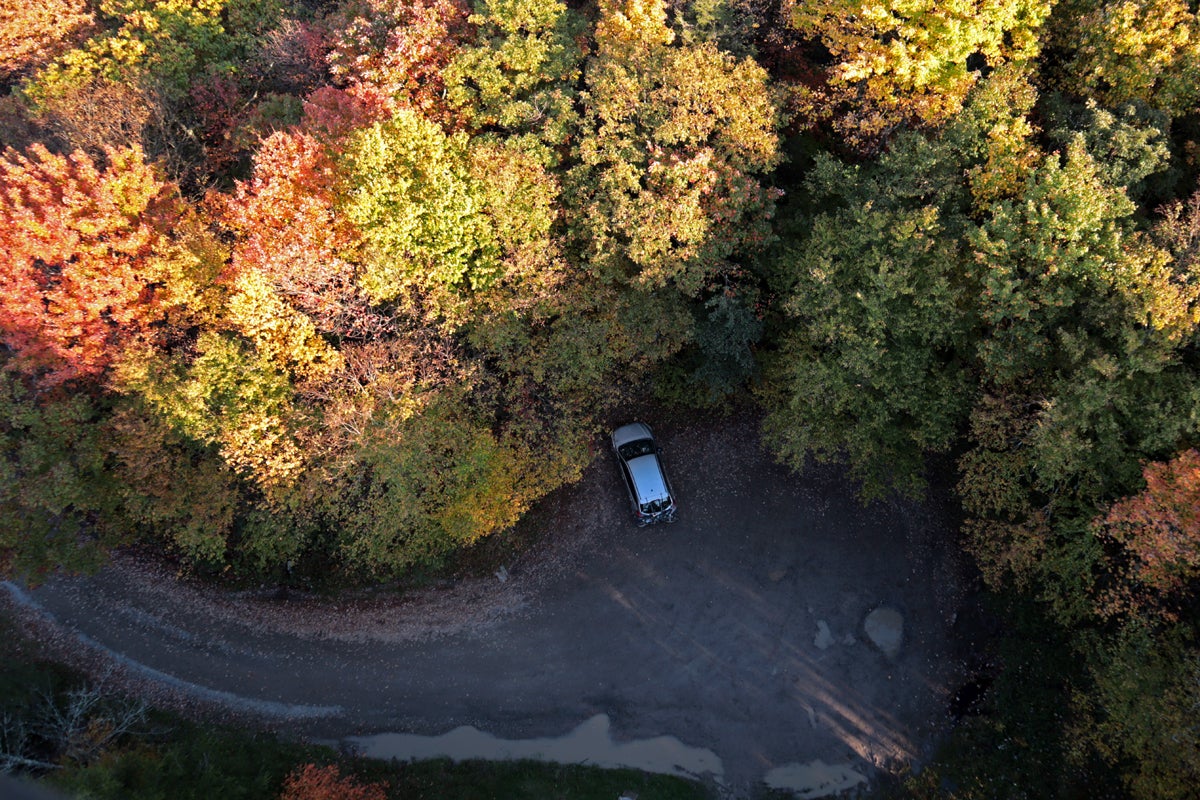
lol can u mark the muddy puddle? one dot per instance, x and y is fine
(590, 743)
(814, 779)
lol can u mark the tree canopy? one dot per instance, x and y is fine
(339, 289)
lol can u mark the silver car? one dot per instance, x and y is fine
(645, 477)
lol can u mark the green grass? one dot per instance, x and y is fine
(199, 763)
(483, 780)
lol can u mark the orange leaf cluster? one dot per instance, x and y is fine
(33, 33)
(76, 242)
(311, 782)
(1160, 528)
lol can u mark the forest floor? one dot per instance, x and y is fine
(734, 644)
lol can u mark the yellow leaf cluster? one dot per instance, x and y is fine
(1138, 50)
(279, 332)
(898, 60)
(629, 26)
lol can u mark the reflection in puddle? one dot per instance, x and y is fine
(814, 779)
(591, 743)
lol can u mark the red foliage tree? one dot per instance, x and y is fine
(399, 49)
(290, 231)
(76, 274)
(331, 113)
(220, 106)
(1160, 530)
(311, 782)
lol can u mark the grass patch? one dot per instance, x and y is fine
(484, 780)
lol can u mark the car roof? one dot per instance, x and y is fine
(631, 433)
(648, 478)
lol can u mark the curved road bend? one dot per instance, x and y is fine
(738, 630)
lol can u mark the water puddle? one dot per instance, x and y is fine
(814, 779)
(591, 743)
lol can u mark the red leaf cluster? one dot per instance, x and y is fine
(399, 50)
(289, 230)
(330, 113)
(220, 107)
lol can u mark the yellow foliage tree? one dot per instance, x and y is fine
(906, 61)
(1132, 50)
(626, 27)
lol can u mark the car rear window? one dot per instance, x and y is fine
(642, 447)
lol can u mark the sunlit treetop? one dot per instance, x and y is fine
(907, 60)
(162, 43)
(1132, 50)
(32, 33)
(675, 141)
(398, 50)
(628, 26)
(520, 77)
(93, 257)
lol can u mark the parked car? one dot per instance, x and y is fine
(645, 477)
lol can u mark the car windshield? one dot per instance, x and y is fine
(631, 450)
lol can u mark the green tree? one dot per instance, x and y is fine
(52, 481)
(444, 222)
(520, 77)
(733, 25)
(871, 365)
(668, 188)
(430, 476)
(1141, 715)
(1129, 144)
(1061, 263)
(1084, 322)
(881, 293)
(410, 193)
(727, 329)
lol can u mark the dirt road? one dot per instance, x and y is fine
(738, 631)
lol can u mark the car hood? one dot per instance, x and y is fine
(648, 478)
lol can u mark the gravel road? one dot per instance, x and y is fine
(738, 631)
